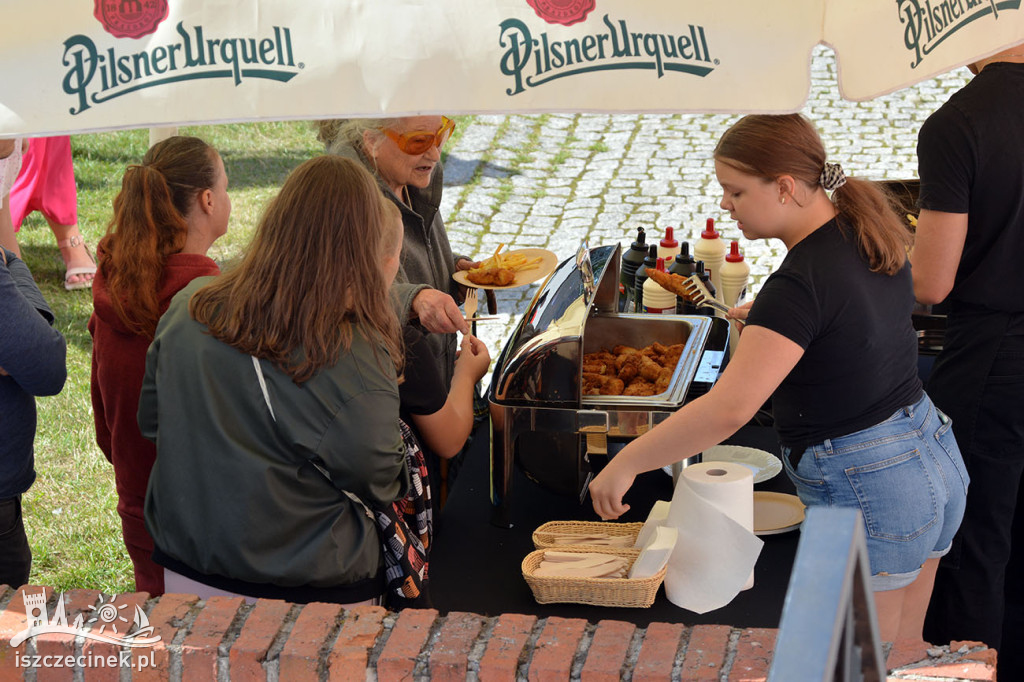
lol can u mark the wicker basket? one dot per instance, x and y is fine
(594, 591)
(542, 537)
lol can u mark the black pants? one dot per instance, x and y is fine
(978, 593)
(15, 554)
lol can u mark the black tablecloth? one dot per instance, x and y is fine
(475, 566)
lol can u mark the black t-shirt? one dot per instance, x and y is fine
(860, 349)
(423, 391)
(971, 160)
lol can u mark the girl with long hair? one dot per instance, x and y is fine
(170, 210)
(829, 339)
(271, 394)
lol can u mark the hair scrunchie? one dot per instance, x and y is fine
(832, 176)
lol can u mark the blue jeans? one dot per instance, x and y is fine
(905, 475)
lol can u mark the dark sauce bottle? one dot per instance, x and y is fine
(684, 265)
(651, 261)
(631, 260)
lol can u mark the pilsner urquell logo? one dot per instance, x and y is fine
(929, 23)
(565, 12)
(533, 61)
(95, 77)
(130, 18)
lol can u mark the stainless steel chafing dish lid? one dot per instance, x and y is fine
(551, 331)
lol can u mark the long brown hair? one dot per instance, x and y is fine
(149, 225)
(769, 146)
(311, 274)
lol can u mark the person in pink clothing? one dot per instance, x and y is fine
(170, 210)
(47, 184)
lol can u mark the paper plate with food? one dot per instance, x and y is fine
(509, 269)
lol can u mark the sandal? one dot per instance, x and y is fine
(73, 242)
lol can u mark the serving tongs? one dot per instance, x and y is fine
(695, 292)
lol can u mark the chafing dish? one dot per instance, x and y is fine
(540, 417)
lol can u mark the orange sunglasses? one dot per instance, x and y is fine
(418, 141)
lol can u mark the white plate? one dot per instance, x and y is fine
(764, 465)
(776, 512)
(547, 265)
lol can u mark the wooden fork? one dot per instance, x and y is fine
(471, 304)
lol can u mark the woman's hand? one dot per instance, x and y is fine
(466, 264)
(608, 489)
(438, 312)
(472, 358)
(739, 314)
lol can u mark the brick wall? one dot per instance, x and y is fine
(224, 638)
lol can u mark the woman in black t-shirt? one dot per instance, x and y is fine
(829, 338)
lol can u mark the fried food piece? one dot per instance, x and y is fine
(620, 349)
(613, 386)
(491, 276)
(628, 365)
(599, 384)
(649, 369)
(663, 380)
(672, 354)
(639, 387)
(599, 368)
(669, 281)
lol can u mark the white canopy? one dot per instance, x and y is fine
(70, 66)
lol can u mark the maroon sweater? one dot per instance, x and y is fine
(118, 365)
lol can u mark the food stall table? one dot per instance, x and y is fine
(475, 566)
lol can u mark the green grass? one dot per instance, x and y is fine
(70, 511)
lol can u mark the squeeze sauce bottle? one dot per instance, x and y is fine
(631, 259)
(668, 247)
(710, 248)
(734, 275)
(651, 261)
(656, 299)
(684, 266)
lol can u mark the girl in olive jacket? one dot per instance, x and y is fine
(272, 397)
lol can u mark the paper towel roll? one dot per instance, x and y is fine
(727, 485)
(713, 511)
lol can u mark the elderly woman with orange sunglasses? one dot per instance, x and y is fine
(405, 156)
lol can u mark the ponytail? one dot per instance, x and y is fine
(149, 224)
(881, 235)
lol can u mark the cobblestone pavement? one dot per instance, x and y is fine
(553, 180)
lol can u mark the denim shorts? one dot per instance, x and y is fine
(905, 475)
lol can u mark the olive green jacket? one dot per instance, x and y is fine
(234, 492)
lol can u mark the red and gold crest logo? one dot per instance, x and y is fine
(130, 18)
(565, 12)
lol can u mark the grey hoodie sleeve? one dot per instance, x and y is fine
(402, 295)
